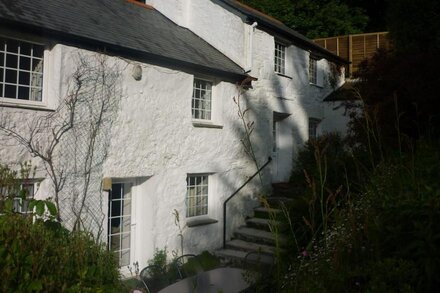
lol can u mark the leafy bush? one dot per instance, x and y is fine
(37, 255)
(43, 256)
(387, 238)
(325, 174)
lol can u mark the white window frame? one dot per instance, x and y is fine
(313, 127)
(26, 73)
(201, 194)
(123, 217)
(199, 110)
(313, 70)
(20, 203)
(280, 58)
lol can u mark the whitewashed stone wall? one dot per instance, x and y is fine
(154, 144)
(227, 31)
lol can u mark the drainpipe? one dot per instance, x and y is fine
(251, 44)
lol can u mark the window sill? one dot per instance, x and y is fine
(31, 105)
(283, 75)
(316, 85)
(200, 222)
(206, 124)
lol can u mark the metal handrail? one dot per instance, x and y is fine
(232, 195)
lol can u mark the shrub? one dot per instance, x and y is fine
(387, 238)
(43, 256)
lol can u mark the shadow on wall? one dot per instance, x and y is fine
(261, 104)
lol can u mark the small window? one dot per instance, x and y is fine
(202, 99)
(21, 70)
(313, 72)
(21, 203)
(196, 195)
(280, 58)
(313, 128)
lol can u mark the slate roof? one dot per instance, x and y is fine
(119, 25)
(277, 26)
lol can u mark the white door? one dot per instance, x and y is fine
(281, 147)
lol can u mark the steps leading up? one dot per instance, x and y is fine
(238, 244)
(263, 224)
(255, 240)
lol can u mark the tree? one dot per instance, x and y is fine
(313, 18)
(414, 25)
(71, 142)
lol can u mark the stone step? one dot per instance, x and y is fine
(257, 236)
(267, 213)
(239, 257)
(285, 189)
(279, 202)
(263, 224)
(238, 244)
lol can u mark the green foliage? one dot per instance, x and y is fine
(414, 25)
(385, 239)
(400, 100)
(44, 257)
(159, 261)
(315, 19)
(325, 174)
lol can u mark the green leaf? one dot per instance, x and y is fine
(51, 207)
(35, 285)
(40, 207)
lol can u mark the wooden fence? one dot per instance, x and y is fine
(355, 48)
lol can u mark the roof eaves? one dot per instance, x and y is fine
(122, 51)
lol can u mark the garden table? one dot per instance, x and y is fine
(226, 280)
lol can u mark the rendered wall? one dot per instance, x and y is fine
(154, 144)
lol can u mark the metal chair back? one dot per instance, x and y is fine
(187, 265)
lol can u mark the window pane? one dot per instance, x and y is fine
(116, 208)
(125, 241)
(25, 63)
(23, 77)
(11, 61)
(115, 242)
(2, 58)
(10, 91)
(37, 65)
(11, 76)
(125, 258)
(116, 191)
(36, 94)
(23, 93)
(115, 225)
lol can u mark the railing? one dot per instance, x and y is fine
(235, 193)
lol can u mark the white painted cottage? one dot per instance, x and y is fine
(172, 139)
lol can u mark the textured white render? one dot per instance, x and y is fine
(154, 143)
(291, 94)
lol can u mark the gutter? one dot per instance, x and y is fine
(251, 47)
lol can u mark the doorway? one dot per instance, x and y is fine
(281, 147)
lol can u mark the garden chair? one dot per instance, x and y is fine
(153, 278)
(187, 265)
